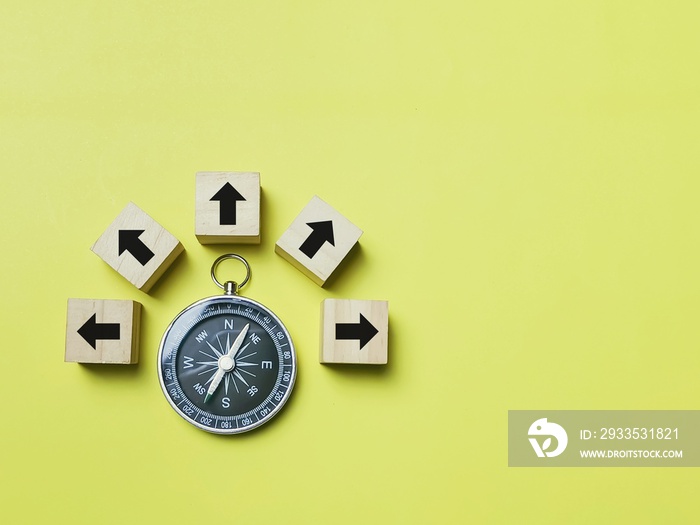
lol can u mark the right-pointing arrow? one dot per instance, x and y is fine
(322, 233)
(363, 331)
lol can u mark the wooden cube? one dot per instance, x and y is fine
(137, 247)
(318, 240)
(354, 331)
(227, 207)
(102, 331)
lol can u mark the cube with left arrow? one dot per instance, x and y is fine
(102, 331)
(137, 247)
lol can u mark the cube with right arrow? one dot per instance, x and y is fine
(354, 331)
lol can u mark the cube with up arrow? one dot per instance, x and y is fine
(354, 331)
(227, 207)
(102, 331)
(318, 240)
(137, 247)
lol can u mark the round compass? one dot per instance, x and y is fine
(227, 363)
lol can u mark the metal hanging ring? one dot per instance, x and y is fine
(223, 258)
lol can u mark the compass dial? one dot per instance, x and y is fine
(227, 364)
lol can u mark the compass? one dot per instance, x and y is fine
(227, 364)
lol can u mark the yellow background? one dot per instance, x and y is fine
(526, 174)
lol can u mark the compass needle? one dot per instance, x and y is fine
(226, 362)
(214, 384)
(238, 342)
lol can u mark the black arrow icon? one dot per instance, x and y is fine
(364, 331)
(322, 233)
(129, 242)
(91, 331)
(227, 197)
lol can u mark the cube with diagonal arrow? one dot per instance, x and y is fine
(318, 240)
(102, 331)
(227, 207)
(354, 331)
(137, 247)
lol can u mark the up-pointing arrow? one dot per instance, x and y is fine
(227, 196)
(91, 331)
(322, 233)
(129, 242)
(363, 331)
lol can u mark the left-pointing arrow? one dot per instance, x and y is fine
(129, 242)
(91, 331)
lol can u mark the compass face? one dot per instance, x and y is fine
(227, 364)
